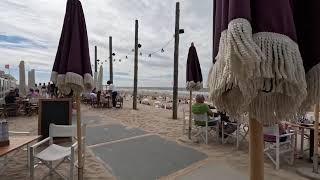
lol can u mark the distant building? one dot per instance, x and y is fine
(7, 81)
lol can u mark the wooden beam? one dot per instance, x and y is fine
(176, 64)
(135, 81)
(110, 61)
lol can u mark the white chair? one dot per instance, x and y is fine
(54, 152)
(202, 124)
(277, 144)
(239, 134)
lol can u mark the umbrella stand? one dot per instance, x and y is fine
(316, 137)
(79, 137)
(256, 150)
(190, 114)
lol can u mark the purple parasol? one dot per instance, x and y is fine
(72, 67)
(308, 28)
(258, 66)
(194, 75)
(194, 78)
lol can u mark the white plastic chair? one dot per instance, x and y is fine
(277, 146)
(56, 152)
(203, 130)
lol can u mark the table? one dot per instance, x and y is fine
(16, 144)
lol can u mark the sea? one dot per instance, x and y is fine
(163, 90)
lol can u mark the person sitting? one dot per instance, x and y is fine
(201, 108)
(16, 91)
(37, 92)
(10, 98)
(32, 93)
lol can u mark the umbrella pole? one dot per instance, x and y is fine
(316, 137)
(79, 135)
(190, 114)
(256, 150)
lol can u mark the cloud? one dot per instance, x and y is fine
(31, 30)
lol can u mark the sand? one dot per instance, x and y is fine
(153, 120)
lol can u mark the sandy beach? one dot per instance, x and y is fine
(154, 121)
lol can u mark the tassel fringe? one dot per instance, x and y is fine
(70, 80)
(261, 74)
(313, 87)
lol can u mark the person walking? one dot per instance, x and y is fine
(112, 90)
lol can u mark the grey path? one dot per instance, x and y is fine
(215, 171)
(146, 158)
(112, 132)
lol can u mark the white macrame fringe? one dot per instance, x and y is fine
(242, 74)
(194, 86)
(313, 87)
(70, 80)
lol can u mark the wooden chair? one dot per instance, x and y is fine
(11, 109)
(119, 101)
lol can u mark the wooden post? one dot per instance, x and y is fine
(95, 59)
(316, 138)
(95, 75)
(79, 135)
(176, 64)
(135, 81)
(190, 114)
(256, 150)
(111, 61)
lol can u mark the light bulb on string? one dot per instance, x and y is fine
(162, 50)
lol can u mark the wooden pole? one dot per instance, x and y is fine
(256, 150)
(79, 135)
(135, 81)
(316, 138)
(111, 61)
(176, 64)
(95, 75)
(190, 114)
(95, 59)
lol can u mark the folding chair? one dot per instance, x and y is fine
(203, 124)
(56, 152)
(277, 144)
(240, 133)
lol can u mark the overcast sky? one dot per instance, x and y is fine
(30, 31)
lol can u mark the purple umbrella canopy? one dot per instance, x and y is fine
(259, 68)
(308, 33)
(194, 75)
(72, 67)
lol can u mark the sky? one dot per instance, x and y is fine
(30, 31)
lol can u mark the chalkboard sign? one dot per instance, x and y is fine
(57, 111)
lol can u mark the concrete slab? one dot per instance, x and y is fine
(215, 170)
(146, 158)
(112, 132)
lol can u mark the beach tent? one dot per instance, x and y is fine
(100, 79)
(194, 78)
(22, 79)
(72, 67)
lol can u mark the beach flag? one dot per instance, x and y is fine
(7, 66)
